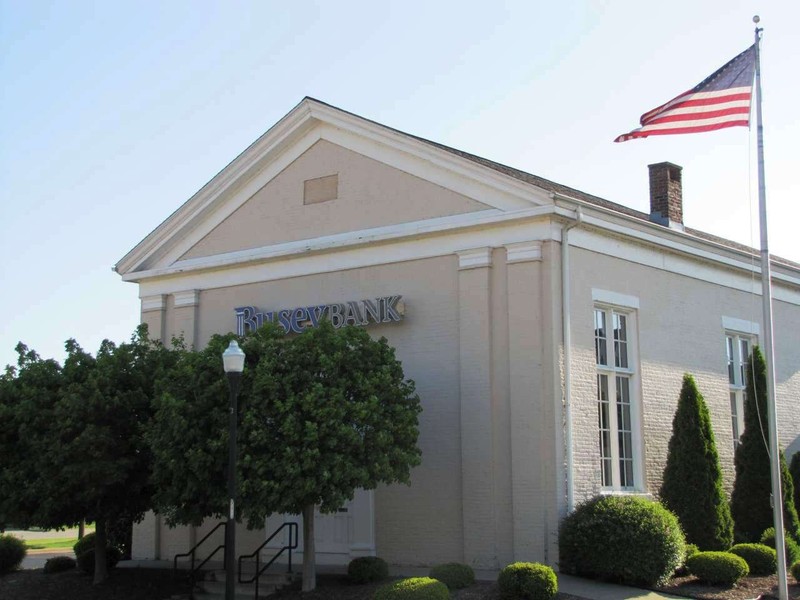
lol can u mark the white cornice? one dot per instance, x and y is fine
(346, 241)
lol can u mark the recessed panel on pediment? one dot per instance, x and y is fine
(329, 190)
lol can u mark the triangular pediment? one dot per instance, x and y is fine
(320, 173)
(330, 190)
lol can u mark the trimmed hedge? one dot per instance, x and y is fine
(718, 568)
(12, 551)
(621, 538)
(57, 564)
(760, 559)
(454, 575)
(367, 569)
(792, 548)
(527, 581)
(414, 588)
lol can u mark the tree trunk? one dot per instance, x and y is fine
(309, 553)
(81, 529)
(100, 559)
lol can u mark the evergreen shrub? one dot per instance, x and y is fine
(794, 471)
(760, 559)
(792, 547)
(621, 538)
(84, 553)
(57, 564)
(527, 581)
(795, 571)
(367, 569)
(752, 488)
(454, 575)
(12, 551)
(691, 550)
(718, 568)
(414, 588)
(692, 485)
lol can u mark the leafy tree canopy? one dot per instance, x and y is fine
(321, 414)
(79, 451)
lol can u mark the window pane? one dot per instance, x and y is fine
(735, 421)
(605, 429)
(729, 348)
(744, 348)
(620, 341)
(600, 350)
(624, 432)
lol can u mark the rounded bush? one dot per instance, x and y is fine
(367, 569)
(12, 551)
(454, 575)
(795, 571)
(691, 550)
(414, 588)
(84, 553)
(57, 564)
(83, 544)
(718, 568)
(760, 559)
(791, 546)
(528, 581)
(621, 538)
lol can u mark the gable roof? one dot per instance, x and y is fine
(300, 119)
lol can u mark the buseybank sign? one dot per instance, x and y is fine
(355, 312)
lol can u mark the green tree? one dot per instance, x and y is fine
(750, 502)
(692, 485)
(322, 413)
(29, 393)
(83, 453)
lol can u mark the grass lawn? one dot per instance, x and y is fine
(51, 544)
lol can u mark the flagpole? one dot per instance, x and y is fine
(766, 296)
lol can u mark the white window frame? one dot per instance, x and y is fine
(736, 332)
(614, 373)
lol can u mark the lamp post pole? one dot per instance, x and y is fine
(233, 361)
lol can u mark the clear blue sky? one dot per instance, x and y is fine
(112, 114)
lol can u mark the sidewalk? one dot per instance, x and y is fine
(567, 584)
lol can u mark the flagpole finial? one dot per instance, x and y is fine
(756, 19)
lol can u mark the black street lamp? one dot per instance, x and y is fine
(233, 362)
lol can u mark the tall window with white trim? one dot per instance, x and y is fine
(738, 347)
(615, 391)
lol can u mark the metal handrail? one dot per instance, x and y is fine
(191, 553)
(292, 545)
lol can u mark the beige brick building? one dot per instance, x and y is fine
(547, 330)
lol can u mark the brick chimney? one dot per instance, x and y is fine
(666, 195)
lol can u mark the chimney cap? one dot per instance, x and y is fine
(665, 164)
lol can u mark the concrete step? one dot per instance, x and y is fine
(277, 578)
(216, 589)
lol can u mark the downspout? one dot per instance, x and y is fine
(566, 332)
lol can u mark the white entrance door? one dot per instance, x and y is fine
(333, 533)
(339, 536)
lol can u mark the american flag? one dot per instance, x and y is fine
(720, 100)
